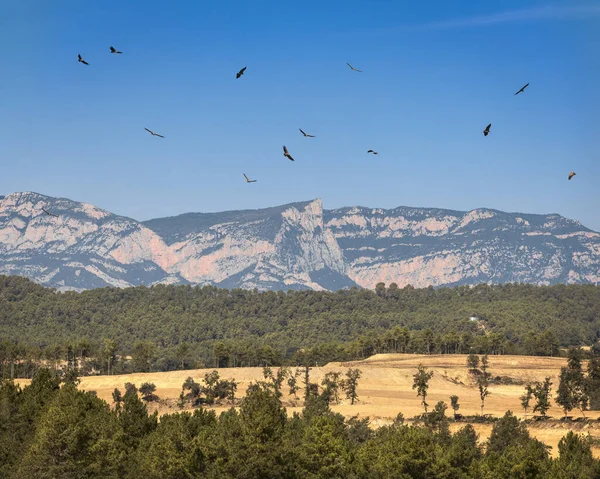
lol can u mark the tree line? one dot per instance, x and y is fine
(49, 430)
(162, 328)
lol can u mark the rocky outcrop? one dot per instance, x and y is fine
(295, 246)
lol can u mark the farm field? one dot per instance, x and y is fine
(385, 389)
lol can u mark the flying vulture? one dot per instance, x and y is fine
(248, 180)
(80, 59)
(113, 50)
(352, 68)
(372, 151)
(306, 134)
(152, 133)
(286, 153)
(571, 175)
(522, 89)
(56, 216)
(487, 130)
(241, 72)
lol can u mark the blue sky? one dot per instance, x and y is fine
(435, 73)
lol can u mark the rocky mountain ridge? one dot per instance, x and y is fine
(294, 246)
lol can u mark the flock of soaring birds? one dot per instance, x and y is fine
(286, 153)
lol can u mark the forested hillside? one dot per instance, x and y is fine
(170, 327)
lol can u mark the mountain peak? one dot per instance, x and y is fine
(297, 245)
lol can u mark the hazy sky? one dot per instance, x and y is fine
(435, 73)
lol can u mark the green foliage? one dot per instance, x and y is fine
(421, 384)
(350, 384)
(331, 385)
(47, 432)
(147, 392)
(526, 398)
(77, 436)
(170, 327)
(541, 392)
(454, 403)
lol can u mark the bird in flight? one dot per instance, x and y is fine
(372, 151)
(113, 50)
(56, 216)
(241, 72)
(487, 130)
(306, 134)
(248, 180)
(80, 59)
(522, 89)
(152, 133)
(286, 153)
(571, 175)
(352, 68)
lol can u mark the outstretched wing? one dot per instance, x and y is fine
(149, 131)
(285, 150)
(112, 49)
(301, 131)
(247, 179)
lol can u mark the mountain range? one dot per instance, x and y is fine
(294, 246)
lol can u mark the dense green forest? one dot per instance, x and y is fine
(49, 430)
(170, 327)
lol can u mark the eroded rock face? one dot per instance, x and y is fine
(294, 246)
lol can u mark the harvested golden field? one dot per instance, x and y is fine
(385, 389)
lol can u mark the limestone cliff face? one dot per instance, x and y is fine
(427, 246)
(294, 246)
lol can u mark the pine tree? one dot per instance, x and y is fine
(350, 384)
(421, 384)
(454, 404)
(541, 393)
(526, 398)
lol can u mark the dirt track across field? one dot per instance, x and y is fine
(385, 389)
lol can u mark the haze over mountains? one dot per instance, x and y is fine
(294, 246)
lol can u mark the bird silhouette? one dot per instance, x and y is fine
(522, 89)
(306, 134)
(49, 214)
(352, 68)
(241, 72)
(248, 180)
(286, 153)
(571, 175)
(113, 50)
(80, 59)
(487, 130)
(152, 133)
(372, 151)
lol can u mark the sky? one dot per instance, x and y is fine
(434, 74)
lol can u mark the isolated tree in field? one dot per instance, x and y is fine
(473, 363)
(421, 384)
(192, 390)
(541, 392)
(592, 381)
(147, 392)
(566, 395)
(526, 398)
(482, 385)
(331, 386)
(350, 384)
(454, 404)
(483, 381)
(276, 380)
